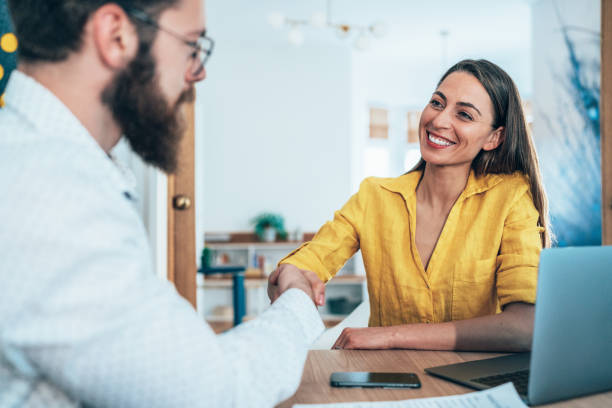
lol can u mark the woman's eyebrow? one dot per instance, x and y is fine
(441, 95)
(469, 105)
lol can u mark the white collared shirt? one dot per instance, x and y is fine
(83, 319)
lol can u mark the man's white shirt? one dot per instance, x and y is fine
(83, 319)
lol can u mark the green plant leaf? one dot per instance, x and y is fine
(267, 219)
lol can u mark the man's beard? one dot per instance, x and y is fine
(152, 127)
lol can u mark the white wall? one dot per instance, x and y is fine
(275, 125)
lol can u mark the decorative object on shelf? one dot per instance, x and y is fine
(206, 258)
(268, 226)
(223, 311)
(254, 273)
(342, 305)
(297, 235)
(217, 237)
(319, 19)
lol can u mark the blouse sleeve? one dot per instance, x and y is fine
(517, 262)
(336, 241)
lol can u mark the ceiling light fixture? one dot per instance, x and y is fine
(363, 33)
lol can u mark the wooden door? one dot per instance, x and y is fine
(606, 121)
(182, 266)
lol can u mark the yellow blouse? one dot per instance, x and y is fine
(486, 257)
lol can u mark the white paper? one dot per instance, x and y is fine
(502, 396)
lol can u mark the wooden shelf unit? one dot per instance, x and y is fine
(226, 282)
(241, 248)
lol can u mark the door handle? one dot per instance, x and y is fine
(181, 202)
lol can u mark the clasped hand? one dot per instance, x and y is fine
(365, 338)
(288, 276)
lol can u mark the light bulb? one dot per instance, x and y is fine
(363, 42)
(296, 37)
(276, 19)
(318, 19)
(378, 29)
(343, 30)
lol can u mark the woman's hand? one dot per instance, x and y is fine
(288, 276)
(510, 330)
(366, 338)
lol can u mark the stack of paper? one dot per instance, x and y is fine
(503, 396)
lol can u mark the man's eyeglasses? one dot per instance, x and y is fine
(203, 47)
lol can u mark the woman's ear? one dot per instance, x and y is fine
(495, 139)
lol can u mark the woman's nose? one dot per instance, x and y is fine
(442, 120)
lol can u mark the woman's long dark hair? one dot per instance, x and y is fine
(517, 151)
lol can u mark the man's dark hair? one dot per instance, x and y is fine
(49, 30)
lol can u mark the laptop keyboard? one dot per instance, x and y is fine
(518, 378)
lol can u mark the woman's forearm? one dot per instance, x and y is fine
(510, 330)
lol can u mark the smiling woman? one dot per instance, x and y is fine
(451, 248)
(500, 124)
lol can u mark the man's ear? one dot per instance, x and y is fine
(495, 139)
(114, 36)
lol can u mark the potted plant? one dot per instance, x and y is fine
(268, 226)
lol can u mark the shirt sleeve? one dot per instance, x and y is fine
(83, 312)
(336, 241)
(161, 354)
(519, 255)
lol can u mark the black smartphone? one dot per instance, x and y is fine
(372, 379)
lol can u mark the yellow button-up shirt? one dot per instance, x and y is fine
(486, 256)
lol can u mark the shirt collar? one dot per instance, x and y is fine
(46, 113)
(43, 110)
(406, 184)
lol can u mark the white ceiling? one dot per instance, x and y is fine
(475, 26)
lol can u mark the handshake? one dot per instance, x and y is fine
(288, 276)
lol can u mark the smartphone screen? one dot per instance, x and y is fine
(368, 379)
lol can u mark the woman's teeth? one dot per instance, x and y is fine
(438, 141)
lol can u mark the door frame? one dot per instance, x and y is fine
(606, 122)
(182, 266)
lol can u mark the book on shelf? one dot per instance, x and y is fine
(218, 237)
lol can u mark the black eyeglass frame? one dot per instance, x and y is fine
(203, 47)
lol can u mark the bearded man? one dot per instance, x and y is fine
(83, 319)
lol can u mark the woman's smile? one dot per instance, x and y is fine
(438, 142)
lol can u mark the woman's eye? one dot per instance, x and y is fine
(465, 115)
(435, 103)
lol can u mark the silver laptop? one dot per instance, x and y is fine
(571, 353)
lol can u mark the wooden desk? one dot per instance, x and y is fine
(315, 387)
